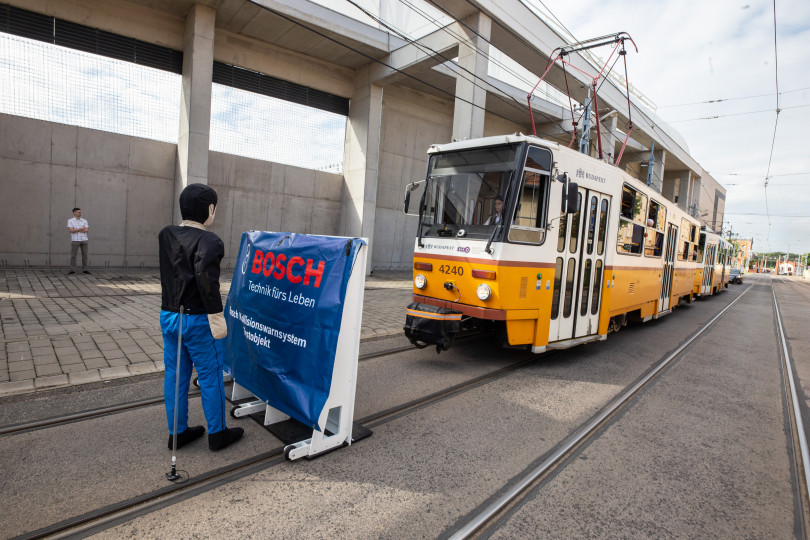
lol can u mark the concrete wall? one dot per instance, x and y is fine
(123, 184)
(411, 122)
(264, 196)
(125, 187)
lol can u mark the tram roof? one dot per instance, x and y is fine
(495, 140)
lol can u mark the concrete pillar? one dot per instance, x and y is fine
(657, 181)
(471, 94)
(671, 186)
(609, 139)
(361, 161)
(195, 105)
(686, 197)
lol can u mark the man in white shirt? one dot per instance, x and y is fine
(78, 228)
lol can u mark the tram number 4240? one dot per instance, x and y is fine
(454, 270)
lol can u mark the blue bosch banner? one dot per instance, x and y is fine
(284, 311)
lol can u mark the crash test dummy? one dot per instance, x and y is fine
(189, 277)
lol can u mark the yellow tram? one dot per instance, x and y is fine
(548, 246)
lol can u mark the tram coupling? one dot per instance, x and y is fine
(431, 325)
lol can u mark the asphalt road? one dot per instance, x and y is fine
(705, 451)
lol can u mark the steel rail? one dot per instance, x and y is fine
(794, 399)
(488, 515)
(112, 409)
(100, 519)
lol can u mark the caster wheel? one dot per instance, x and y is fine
(197, 382)
(233, 411)
(287, 451)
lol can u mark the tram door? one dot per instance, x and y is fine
(708, 269)
(669, 265)
(580, 267)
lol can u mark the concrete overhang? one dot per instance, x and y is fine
(428, 51)
(289, 24)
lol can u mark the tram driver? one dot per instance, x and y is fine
(495, 218)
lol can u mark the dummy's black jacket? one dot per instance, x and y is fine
(189, 270)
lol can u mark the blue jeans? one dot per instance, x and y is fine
(200, 349)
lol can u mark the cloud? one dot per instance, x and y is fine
(697, 51)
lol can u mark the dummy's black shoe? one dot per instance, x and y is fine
(85, 271)
(226, 437)
(71, 273)
(187, 436)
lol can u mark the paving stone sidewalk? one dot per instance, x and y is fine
(59, 330)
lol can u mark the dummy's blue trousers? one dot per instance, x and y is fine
(200, 349)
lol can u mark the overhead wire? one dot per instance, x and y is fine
(365, 55)
(426, 49)
(652, 122)
(485, 54)
(776, 122)
(737, 114)
(758, 175)
(720, 100)
(497, 62)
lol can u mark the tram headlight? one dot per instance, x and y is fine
(483, 291)
(420, 281)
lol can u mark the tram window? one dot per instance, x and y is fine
(653, 243)
(654, 239)
(529, 224)
(658, 215)
(600, 245)
(586, 289)
(640, 209)
(694, 251)
(555, 297)
(569, 287)
(597, 287)
(538, 158)
(628, 200)
(575, 218)
(632, 221)
(563, 232)
(592, 223)
(631, 237)
(686, 233)
(701, 247)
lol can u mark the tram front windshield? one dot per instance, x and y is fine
(467, 190)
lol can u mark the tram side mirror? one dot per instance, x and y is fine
(409, 189)
(563, 178)
(571, 198)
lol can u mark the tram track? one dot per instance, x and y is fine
(801, 453)
(90, 414)
(139, 404)
(486, 521)
(120, 512)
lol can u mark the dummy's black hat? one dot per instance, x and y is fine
(194, 202)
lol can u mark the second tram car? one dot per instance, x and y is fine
(714, 264)
(550, 247)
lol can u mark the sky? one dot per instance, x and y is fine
(691, 52)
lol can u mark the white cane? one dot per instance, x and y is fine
(173, 476)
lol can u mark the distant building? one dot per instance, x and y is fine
(787, 268)
(744, 248)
